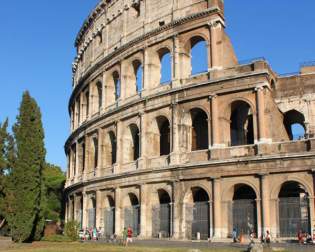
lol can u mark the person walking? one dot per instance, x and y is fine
(124, 237)
(234, 235)
(129, 235)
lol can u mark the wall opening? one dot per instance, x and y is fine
(199, 55)
(138, 71)
(294, 123)
(113, 147)
(241, 124)
(244, 210)
(165, 66)
(117, 85)
(200, 133)
(109, 217)
(92, 212)
(132, 214)
(99, 95)
(164, 130)
(294, 211)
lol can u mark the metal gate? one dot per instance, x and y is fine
(244, 216)
(79, 217)
(293, 216)
(161, 220)
(200, 221)
(109, 221)
(92, 219)
(132, 219)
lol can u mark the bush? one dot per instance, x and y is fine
(72, 230)
(56, 238)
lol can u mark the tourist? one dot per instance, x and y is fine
(234, 235)
(129, 235)
(268, 238)
(300, 237)
(124, 237)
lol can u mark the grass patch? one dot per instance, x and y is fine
(90, 247)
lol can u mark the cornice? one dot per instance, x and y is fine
(198, 165)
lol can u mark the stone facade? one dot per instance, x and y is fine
(193, 157)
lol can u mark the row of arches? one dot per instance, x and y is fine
(159, 135)
(133, 74)
(292, 204)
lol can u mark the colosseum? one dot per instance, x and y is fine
(185, 145)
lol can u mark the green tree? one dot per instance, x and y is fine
(3, 166)
(25, 189)
(54, 183)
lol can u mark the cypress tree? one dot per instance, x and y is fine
(25, 192)
(3, 165)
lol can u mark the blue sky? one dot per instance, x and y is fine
(37, 37)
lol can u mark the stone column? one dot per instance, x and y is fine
(174, 135)
(143, 141)
(119, 145)
(214, 121)
(143, 210)
(98, 210)
(177, 209)
(176, 62)
(215, 45)
(217, 207)
(118, 220)
(84, 209)
(260, 100)
(99, 153)
(265, 206)
(146, 71)
(66, 210)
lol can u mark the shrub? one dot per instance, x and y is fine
(56, 238)
(72, 230)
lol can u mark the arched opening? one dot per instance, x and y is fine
(138, 71)
(132, 213)
(294, 123)
(131, 144)
(164, 130)
(294, 212)
(109, 216)
(92, 212)
(244, 210)
(113, 147)
(161, 215)
(200, 214)
(165, 66)
(241, 126)
(136, 141)
(116, 79)
(199, 55)
(199, 134)
(99, 95)
(95, 152)
(79, 213)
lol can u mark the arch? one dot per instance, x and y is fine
(95, 152)
(92, 211)
(294, 122)
(99, 87)
(138, 73)
(109, 216)
(241, 123)
(165, 65)
(131, 143)
(197, 213)
(200, 138)
(244, 210)
(164, 132)
(294, 209)
(110, 148)
(161, 215)
(132, 213)
(117, 86)
(198, 55)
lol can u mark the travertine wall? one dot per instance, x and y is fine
(108, 126)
